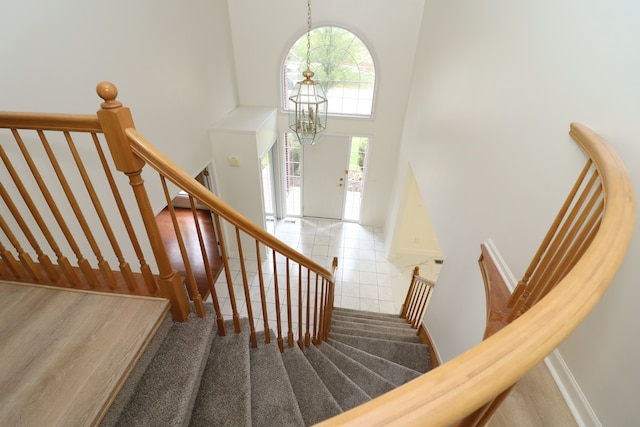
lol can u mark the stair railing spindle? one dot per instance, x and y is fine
(263, 297)
(227, 274)
(67, 270)
(277, 294)
(147, 275)
(247, 296)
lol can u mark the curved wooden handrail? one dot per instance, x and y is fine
(458, 387)
(158, 161)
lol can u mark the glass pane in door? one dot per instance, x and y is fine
(355, 178)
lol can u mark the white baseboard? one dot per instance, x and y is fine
(576, 400)
(569, 388)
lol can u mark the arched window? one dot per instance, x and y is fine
(341, 63)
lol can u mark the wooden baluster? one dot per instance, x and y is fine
(289, 316)
(541, 273)
(330, 299)
(407, 299)
(88, 272)
(570, 249)
(307, 335)
(82, 262)
(416, 301)
(277, 293)
(191, 280)
(300, 301)
(207, 269)
(12, 264)
(315, 314)
(327, 311)
(67, 270)
(247, 296)
(125, 269)
(423, 306)
(24, 257)
(3, 268)
(145, 270)
(321, 310)
(263, 297)
(46, 263)
(522, 284)
(115, 119)
(227, 273)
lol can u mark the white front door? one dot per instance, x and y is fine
(324, 174)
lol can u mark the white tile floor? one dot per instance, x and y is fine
(365, 279)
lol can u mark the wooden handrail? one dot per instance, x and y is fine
(460, 386)
(158, 161)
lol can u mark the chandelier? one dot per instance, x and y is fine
(308, 111)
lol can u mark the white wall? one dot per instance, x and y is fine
(172, 64)
(263, 32)
(496, 84)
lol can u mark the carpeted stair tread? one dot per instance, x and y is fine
(394, 328)
(166, 392)
(370, 382)
(411, 355)
(346, 392)
(373, 322)
(314, 399)
(375, 334)
(224, 397)
(348, 312)
(273, 402)
(394, 373)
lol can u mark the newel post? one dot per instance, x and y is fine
(115, 119)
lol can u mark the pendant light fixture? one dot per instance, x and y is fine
(308, 108)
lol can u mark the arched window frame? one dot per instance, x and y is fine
(365, 88)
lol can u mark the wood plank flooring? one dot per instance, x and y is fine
(534, 401)
(64, 354)
(192, 244)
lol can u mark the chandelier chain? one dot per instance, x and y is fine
(308, 34)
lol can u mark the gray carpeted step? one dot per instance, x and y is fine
(273, 402)
(370, 382)
(348, 312)
(374, 322)
(314, 399)
(346, 392)
(166, 392)
(411, 355)
(375, 334)
(224, 397)
(396, 374)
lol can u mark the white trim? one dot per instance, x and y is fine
(564, 379)
(570, 389)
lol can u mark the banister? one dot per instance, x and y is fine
(457, 388)
(158, 161)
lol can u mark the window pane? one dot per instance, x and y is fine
(341, 63)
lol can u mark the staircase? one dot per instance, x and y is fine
(197, 377)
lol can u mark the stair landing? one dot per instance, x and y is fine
(64, 354)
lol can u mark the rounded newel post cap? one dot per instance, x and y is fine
(108, 92)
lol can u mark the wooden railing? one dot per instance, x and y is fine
(56, 208)
(284, 289)
(467, 388)
(568, 276)
(417, 299)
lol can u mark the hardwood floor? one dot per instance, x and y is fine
(535, 401)
(192, 244)
(64, 354)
